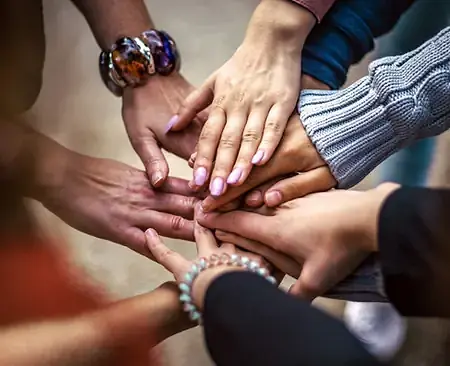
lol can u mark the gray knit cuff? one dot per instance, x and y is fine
(349, 130)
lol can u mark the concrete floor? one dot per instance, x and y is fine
(87, 119)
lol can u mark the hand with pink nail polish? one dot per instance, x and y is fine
(149, 115)
(252, 97)
(279, 177)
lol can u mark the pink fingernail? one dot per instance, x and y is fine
(171, 123)
(258, 157)
(152, 233)
(273, 198)
(217, 186)
(235, 175)
(200, 176)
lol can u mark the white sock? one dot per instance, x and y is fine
(378, 326)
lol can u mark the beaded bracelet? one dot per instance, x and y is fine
(202, 264)
(131, 61)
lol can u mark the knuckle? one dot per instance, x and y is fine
(165, 254)
(309, 287)
(177, 223)
(189, 202)
(207, 134)
(228, 142)
(251, 136)
(274, 126)
(294, 190)
(219, 101)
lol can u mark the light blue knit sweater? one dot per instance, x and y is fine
(403, 98)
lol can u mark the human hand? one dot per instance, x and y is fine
(206, 247)
(146, 110)
(295, 154)
(252, 95)
(328, 234)
(114, 201)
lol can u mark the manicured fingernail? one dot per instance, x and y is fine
(254, 197)
(157, 178)
(217, 186)
(171, 123)
(273, 198)
(258, 157)
(152, 233)
(235, 175)
(200, 176)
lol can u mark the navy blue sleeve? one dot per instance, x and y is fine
(346, 35)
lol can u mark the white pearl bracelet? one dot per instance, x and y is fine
(201, 264)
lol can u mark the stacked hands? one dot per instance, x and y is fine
(248, 149)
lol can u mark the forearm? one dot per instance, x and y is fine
(30, 161)
(403, 99)
(152, 317)
(113, 19)
(113, 336)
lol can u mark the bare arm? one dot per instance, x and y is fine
(112, 19)
(95, 338)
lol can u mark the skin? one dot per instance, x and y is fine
(251, 97)
(295, 154)
(145, 121)
(96, 337)
(327, 234)
(81, 190)
(206, 247)
(93, 339)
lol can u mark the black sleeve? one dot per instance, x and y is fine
(250, 322)
(414, 244)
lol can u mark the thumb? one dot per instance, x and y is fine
(315, 278)
(197, 101)
(153, 159)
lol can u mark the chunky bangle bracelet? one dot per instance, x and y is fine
(164, 51)
(109, 75)
(201, 264)
(131, 61)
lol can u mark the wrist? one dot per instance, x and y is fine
(50, 162)
(154, 316)
(281, 22)
(205, 279)
(375, 199)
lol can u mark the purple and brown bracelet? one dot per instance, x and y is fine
(132, 61)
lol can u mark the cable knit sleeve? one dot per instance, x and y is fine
(403, 98)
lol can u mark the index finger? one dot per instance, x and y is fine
(197, 101)
(170, 260)
(247, 224)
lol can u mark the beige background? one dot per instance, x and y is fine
(87, 119)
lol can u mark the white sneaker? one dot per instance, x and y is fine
(378, 326)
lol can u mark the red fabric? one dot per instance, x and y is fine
(37, 282)
(318, 7)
